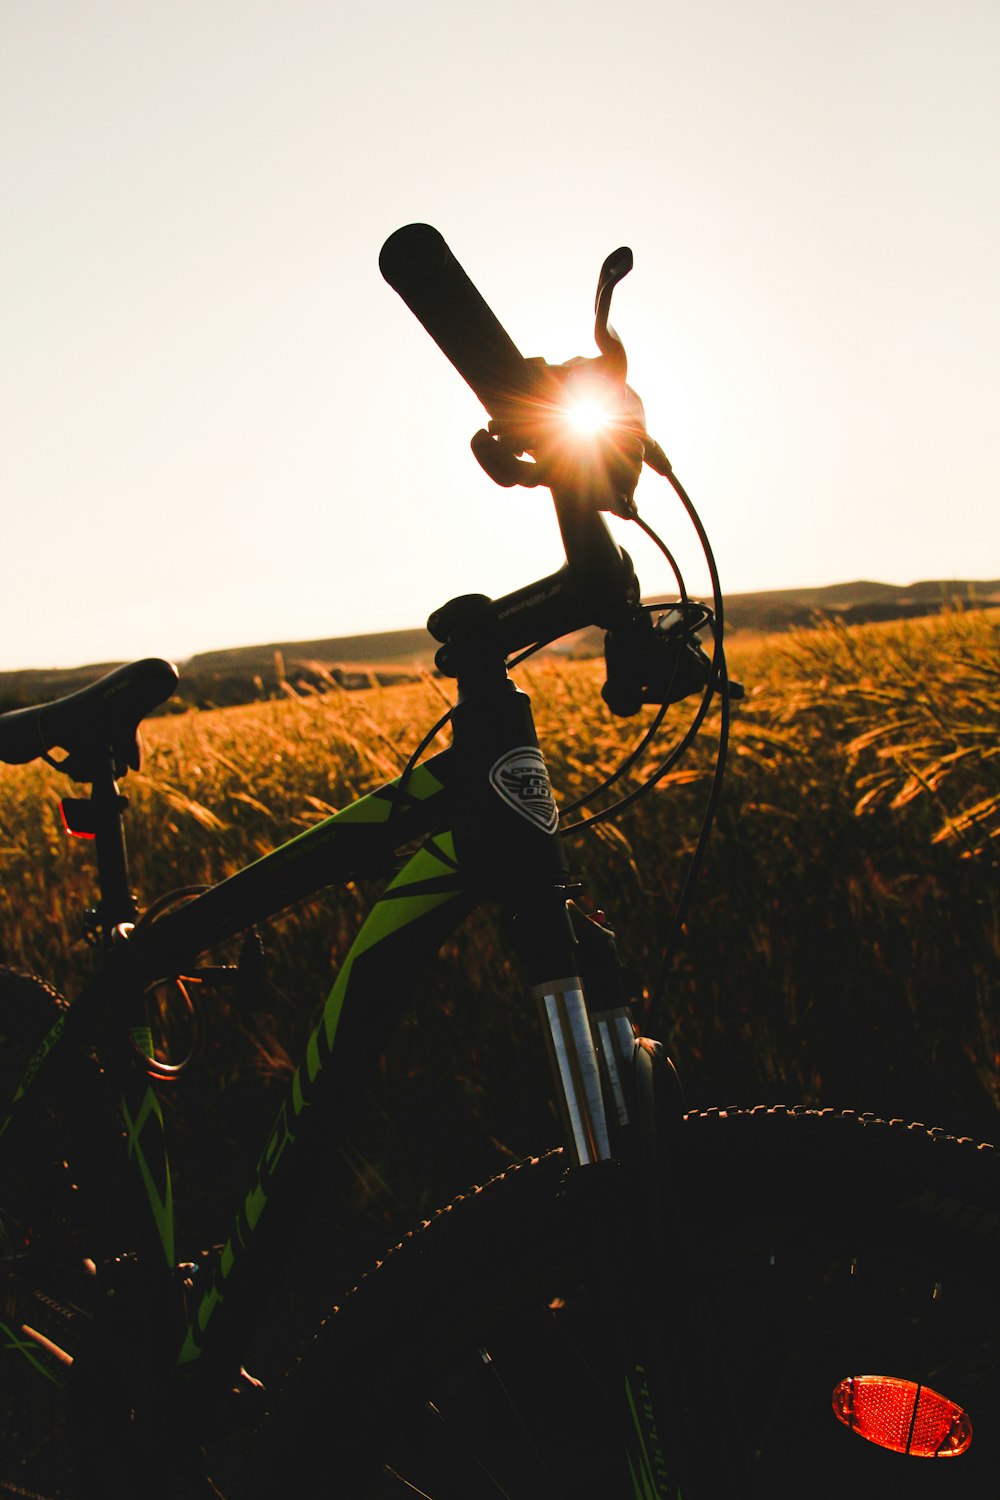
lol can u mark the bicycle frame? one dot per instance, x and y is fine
(482, 814)
(401, 932)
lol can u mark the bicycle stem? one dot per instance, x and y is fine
(597, 585)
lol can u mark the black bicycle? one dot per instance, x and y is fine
(758, 1302)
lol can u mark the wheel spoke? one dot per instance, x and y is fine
(457, 1438)
(515, 1409)
(413, 1489)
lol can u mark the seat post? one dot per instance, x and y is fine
(117, 903)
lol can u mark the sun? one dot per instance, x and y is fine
(587, 416)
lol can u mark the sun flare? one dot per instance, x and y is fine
(587, 416)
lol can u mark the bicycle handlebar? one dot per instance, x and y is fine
(598, 583)
(417, 263)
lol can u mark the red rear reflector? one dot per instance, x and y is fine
(902, 1416)
(78, 817)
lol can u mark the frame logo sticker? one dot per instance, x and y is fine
(522, 779)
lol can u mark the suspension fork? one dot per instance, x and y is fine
(597, 1064)
(622, 1107)
(507, 844)
(617, 1227)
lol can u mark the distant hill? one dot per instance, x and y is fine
(39, 685)
(854, 603)
(779, 609)
(244, 673)
(241, 674)
(389, 646)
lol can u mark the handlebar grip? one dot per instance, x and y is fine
(417, 263)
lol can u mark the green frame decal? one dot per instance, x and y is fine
(408, 917)
(151, 1160)
(375, 810)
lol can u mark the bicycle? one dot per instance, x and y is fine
(670, 1304)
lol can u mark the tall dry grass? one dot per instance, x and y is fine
(843, 945)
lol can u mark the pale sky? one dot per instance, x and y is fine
(219, 426)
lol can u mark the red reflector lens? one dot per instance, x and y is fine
(77, 817)
(902, 1416)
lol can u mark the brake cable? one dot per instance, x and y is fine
(659, 462)
(717, 677)
(653, 729)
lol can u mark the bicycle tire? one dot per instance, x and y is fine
(43, 1280)
(841, 1244)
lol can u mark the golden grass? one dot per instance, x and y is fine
(843, 945)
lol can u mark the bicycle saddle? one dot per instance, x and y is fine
(91, 722)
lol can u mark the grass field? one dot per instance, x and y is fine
(843, 946)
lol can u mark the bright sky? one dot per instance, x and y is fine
(221, 427)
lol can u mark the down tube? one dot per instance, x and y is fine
(424, 903)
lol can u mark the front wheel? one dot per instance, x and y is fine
(472, 1360)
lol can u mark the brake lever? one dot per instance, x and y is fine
(497, 458)
(615, 268)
